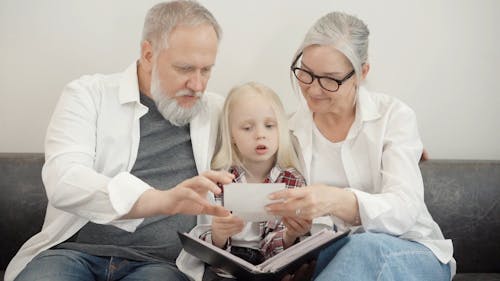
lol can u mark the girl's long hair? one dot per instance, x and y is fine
(227, 154)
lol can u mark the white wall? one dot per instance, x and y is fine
(440, 57)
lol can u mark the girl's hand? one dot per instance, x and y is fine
(225, 227)
(295, 227)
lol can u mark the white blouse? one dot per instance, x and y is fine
(380, 156)
(326, 164)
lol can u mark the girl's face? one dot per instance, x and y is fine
(254, 129)
(327, 61)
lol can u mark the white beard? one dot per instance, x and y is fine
(169, 108)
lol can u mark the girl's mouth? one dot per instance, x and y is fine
(261, 149)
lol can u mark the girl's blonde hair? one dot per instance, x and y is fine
(226, 153)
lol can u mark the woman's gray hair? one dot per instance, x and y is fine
(346, 33)
(163, 17)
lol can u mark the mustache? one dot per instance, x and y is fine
(187, 92)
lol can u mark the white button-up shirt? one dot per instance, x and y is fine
(380, 156)
(90, 148)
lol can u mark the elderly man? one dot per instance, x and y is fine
(127, 159)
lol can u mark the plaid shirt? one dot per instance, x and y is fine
(272, 231)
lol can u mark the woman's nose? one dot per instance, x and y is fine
(315, 87)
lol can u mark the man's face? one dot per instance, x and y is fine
(181, 71)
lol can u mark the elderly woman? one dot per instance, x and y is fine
(360, 151)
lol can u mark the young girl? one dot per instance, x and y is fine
(255, 145)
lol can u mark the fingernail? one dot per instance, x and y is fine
(271, 196)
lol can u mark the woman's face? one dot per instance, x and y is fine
(327, 61)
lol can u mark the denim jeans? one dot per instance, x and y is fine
(377, 256)
(69, 265)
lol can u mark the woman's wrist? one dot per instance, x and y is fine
(346, 207)
(357, 219)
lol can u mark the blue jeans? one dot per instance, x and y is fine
(69, 265)
(377, 256)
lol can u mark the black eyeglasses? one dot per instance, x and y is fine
(307, 77)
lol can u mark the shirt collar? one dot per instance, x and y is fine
(366, 110)
(366, 106)
(239, 174)
(129, 85)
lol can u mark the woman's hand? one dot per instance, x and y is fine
(315, 201)
(295, 227)
(225, 227)
(307, 203)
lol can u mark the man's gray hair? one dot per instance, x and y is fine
(163, 17)
(346, 33)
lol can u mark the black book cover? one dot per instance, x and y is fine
(243, 270)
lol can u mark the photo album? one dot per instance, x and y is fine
(273, 268)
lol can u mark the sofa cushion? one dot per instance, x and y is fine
(23, 201)
(462, 196)
(464, 199)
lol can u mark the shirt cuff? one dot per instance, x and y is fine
(124, 190)
(370, 206)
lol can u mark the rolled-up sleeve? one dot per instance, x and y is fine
(399, 200)
(71, 182)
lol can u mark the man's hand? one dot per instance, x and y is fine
(188, 197)
(225, 227)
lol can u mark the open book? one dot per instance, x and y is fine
(273, 268)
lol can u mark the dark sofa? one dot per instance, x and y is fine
(462, 196)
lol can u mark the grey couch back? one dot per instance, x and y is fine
(22, 202)
(462, 196)
(464, 199)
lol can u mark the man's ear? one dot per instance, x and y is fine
(147, 56)
(364, 70)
